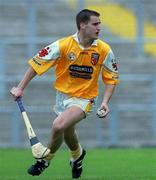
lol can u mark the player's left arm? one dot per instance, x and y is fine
(109, 89)
(110, 77)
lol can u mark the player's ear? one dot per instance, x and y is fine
(82, 25)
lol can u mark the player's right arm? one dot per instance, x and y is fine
(40, 63)
(46, 58)
(18, 91)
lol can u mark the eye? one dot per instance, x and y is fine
(97, 23)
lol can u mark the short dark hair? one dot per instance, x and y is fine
(84, 16)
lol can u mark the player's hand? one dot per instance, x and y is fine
(16, 92)
(103, 110)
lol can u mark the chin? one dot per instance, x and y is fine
(95, 38)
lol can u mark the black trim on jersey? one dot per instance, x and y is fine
(36, 62)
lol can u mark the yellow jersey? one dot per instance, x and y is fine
(77, 69)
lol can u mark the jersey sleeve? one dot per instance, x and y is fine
(45, 58)
(110, 73)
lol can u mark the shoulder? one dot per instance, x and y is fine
(65, 43)
(66, 39)
(103, 44)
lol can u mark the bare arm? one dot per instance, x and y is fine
(18, 91)
(109, 89)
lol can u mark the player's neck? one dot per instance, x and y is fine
(84, 41)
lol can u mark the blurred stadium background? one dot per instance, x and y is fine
(129, 26)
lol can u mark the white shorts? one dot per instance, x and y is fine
(64, 101)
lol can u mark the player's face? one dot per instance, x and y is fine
(92, 28)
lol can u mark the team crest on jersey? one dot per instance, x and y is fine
(94, 58)
(71, 56)
(44, 52)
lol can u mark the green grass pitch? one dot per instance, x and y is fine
(99, 164)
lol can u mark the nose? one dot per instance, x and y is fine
(99, 27)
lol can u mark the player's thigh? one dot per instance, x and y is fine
(70, 117)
